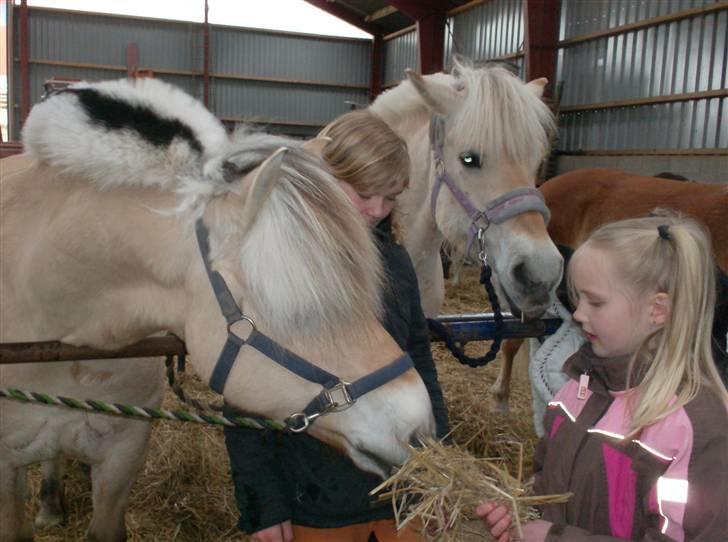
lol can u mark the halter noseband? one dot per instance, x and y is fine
(510, 204)
(337, 394)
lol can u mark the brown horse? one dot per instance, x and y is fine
(584, 199)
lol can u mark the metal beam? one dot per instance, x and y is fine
(24, 46)
(380, 13)
(206, 58)
(431, 42)
(430, 16)
(419, 9)
(463, 327)
(541, 39)
(375, 80)
(132, 59)
(344, 14)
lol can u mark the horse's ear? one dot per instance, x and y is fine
(316, 145)
(440, 97)
(537, 86)
(266, 177)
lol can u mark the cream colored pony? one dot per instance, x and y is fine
(496, 132)
(99, 249)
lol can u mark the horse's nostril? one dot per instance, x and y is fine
(520, 273)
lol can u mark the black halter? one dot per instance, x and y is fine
(337, 394)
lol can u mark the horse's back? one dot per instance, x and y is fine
(583, 199)
(12, 164)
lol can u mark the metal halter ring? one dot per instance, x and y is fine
(299, 422)
(481, 217)
(242, 318)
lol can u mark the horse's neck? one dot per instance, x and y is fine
(420, 230)
(117, 267)
(408, 116)
(421, 236)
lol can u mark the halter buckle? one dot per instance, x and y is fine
(338, 397)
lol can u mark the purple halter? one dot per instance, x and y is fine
(510, 204)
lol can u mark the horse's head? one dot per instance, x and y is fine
(490, 131)
(301, 263)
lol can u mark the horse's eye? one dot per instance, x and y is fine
(470, 159)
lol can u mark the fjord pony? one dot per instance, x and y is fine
(495, 130)
(99, 249)
(584, 199)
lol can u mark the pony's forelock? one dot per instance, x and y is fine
(501, 115)
(308, 221)
(309, 263)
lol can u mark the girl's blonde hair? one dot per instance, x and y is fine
(366, 153)
(676, 259)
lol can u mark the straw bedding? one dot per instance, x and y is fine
(184, 492)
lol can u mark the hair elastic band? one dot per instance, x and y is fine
(663, 230)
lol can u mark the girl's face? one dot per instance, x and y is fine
(614, 317)
(373, 207)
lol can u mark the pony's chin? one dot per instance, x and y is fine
(530, 313)
(370, 462)
(366, 460)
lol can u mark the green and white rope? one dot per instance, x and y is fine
(145, 413)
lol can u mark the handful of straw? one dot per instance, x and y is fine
(442, 485)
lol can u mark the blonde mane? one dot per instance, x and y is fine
(498, 113)
(139, 132)
(310, 265)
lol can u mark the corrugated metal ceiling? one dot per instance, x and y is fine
(383, 15)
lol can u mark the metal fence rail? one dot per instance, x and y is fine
(463, 327)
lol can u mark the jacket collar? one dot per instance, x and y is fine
(383, 230)
(606, 374)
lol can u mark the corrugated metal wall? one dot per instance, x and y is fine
(320, 75)
(672, 58)
(687, 135)
(493, 30)
(312, 77)
(399, 54)
(490, 31)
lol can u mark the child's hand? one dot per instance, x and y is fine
(497, 519)
(283, 532)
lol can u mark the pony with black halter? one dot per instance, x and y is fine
(99, 249)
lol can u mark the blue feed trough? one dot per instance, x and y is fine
(481, 327)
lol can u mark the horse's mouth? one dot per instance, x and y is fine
(384, 467)
(521, 314)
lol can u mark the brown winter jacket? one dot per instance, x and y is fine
(670, 483)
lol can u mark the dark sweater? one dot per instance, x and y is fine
(282, 476)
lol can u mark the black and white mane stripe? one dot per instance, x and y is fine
(142, 132)
(116, 114)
